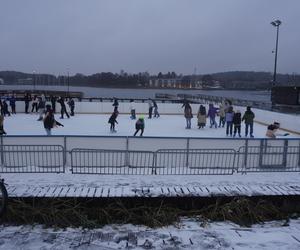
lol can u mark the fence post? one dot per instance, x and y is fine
(127, 152)
(187, 152)
(299, 156)
(246, 154)
(263, 148)
(65, 153)
(1, 149)
(285, 151)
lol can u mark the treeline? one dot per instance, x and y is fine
(226, 80)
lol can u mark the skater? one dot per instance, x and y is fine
(113, 120)
(132, 109)
(116, 105)
(212, 112)
(63, 109)
(49, 120)
(248, 117)
(71, 104)
(150, 108)
(2, 132)
(139, 125)
(1, 107)
(12, 103)
(34, 104)
(5, 108)
(156, 114)
(27, 99)
(201, 117)
(53, 100)
(222, 116)
(229, 121)
(188, 114)
(237, 120)
(41, 107)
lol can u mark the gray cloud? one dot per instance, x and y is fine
(140, 35)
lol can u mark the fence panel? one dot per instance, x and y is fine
(267, 158)
(95, 161)
(32, 159)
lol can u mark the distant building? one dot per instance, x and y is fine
(25, 81)
(169, 83)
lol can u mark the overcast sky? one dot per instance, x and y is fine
(90, 36)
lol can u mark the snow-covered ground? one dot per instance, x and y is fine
(93, 124)
(188, 234)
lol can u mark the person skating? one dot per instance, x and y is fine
(221, 115)
(113, 120)
(272, 130)
(248, 117)
(34, 104)
(5, 108)
(188, 114)
(2, 132)
(116, 104)
(71, 104)
(49, 120)
(150, 108)
(201, 117)
(41, 107)
(27, 99)
(12, 103)
(63, 109)
(132, 109)
(229, 121)
(139, 125)
(237, 120)
(155, 106)
(53, 100)
(212, 112)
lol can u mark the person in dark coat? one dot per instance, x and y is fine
(2, 132)
(139, 125)
(5, 108)
(201, 117)
(150, 108)
(237, 120)
(156, 114)
(34, 104)
(53, 100)
(71, 104)
(63, 109)
(248, 117)
(49, 120)
(115, 104)
(113, 120)
(12, 104)
(212, 112)
(27, 99)
(188, 114)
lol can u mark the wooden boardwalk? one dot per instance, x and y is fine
(176, 191)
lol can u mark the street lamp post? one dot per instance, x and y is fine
(68, 83)
(276, 24)
(34, 80)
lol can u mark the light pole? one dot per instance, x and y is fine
(276, 24)
(33, 78)
(68, 82)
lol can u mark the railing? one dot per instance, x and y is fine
(32, 159)
(147, 156)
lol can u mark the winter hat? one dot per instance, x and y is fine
(141, 117)
(248, 108)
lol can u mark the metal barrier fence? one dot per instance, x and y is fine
(32, 159)
(160, 162)
(269, 159)
(142, 156)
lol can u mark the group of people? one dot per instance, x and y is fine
(227, 116)
(140, 123)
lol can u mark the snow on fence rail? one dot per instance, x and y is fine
(146, 155)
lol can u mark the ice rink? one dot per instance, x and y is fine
(95, 124)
